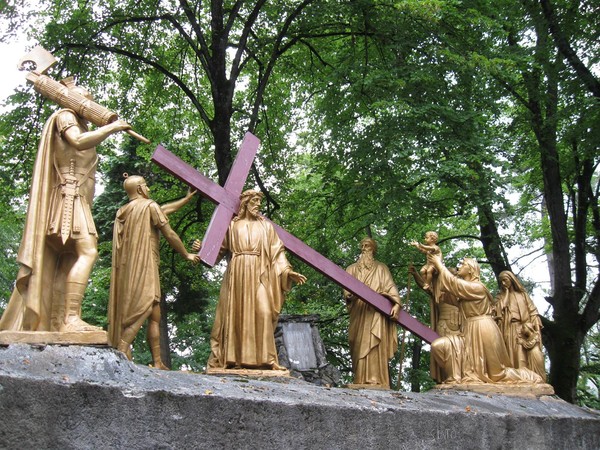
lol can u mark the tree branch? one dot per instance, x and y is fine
(276, 52)
(178, 81)
(203, 53)
(243, 42)
(563, 46)
(460, 236)
(591, 312)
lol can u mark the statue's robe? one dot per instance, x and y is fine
(135, 282)
(484, 355)
(373, 336)
(251, 297)
(446, 320)
(515, 310)
(37, 301)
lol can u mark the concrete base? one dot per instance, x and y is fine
(71, 397)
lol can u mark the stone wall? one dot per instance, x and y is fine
(56, 397)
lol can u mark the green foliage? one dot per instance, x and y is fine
(588, 386)
(10, 229)
(382, 119)
(95, 304)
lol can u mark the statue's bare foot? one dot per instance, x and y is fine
(75, 323)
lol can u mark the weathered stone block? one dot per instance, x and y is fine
(83, 397)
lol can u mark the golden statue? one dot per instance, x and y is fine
(373, 336)
(59, 244)
(135, 280)
(445, 317)
(58, 248)
(430, 246)
(253, 291)
(520, 324)
(446, 320)
(484, 358)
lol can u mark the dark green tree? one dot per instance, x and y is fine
(375, 118)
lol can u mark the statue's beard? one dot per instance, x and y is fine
(250, 213)
(366, 260)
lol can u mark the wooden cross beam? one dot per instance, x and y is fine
(227, 200)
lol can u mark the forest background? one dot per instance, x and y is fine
(476, 119)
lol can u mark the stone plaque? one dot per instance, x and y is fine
(298, 340)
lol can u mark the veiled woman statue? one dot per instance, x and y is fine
(520, 325)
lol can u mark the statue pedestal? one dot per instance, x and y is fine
(54, 337)
(253, 373)
(515, 390)
(377, 387)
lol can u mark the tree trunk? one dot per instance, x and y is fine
(563, 336)
(563, 344)
(415, 386)
(222, 92)
(491, 241)
(221, 131)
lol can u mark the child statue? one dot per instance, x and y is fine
(429, 247)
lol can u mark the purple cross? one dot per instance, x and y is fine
(228, 201)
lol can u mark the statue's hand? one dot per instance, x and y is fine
(197, 245)
(190, 193)
(120, 125)
(193, 257)
(395, 311)
(298, 278)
